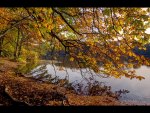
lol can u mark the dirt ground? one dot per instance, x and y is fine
(22, 91)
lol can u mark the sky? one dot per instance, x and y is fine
(147, 31)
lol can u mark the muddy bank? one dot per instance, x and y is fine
(19, 90)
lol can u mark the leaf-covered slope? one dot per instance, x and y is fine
(26, 91)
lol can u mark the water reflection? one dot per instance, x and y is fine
(71, 78)
(97, 88)
(89, 83)
(25, 68)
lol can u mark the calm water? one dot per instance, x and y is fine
(138, 90)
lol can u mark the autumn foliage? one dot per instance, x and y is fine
(101, 39)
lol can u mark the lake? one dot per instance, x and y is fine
(139, 91)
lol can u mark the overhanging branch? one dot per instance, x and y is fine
(63, 18)
(12, 26)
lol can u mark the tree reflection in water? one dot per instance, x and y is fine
(92, 87)
(96, 88)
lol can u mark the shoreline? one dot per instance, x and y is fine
(21, 90)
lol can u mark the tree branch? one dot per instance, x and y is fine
(65, 20)
(35, 18)
(11, 27)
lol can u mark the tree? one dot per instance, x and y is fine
(89, 36)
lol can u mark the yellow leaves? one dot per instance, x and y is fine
(130, 65)
(132, 74)
(48, 26)
(121, 65)
(116, 76)
(121, 21)
(115, 49)
(93, 61)
(113, 72)
(71, 59)
(90, 41)
(107, 47)
(123, 50)
(79, 54)
(147, 63)
(140, 77)
(130, 54)
(117, 58)
(39, 33)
